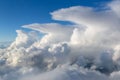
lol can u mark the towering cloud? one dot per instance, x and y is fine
(87, 49)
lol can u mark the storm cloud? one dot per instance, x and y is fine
(86, 49)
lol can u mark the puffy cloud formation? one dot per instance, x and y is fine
(87, 49)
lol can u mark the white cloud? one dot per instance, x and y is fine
(52, 31)
(115, 7)
(88, 49)
(24, 39)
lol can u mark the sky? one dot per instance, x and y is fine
(60, 40)
(15, 13)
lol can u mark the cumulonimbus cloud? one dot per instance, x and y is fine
(87, 49)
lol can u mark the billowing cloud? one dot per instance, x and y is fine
(52, 31)
(87, 49)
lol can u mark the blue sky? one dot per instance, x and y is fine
(15, 13)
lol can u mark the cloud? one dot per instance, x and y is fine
(69, 73)
(87, 49)
(23, 39)
(5, 44)
(115, 7)
(52, 31)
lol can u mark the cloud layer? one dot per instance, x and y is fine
(87, 49)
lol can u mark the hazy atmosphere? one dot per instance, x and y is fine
(60, 40)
